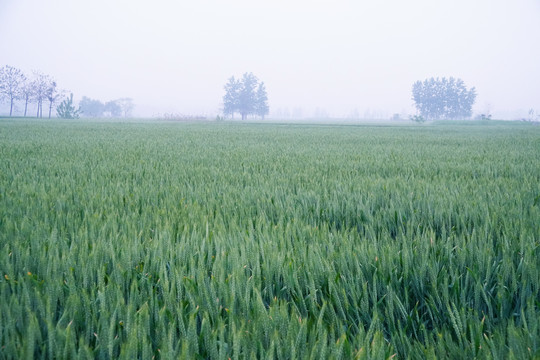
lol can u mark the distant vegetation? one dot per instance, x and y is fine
(66, 109)
(246, 96)
(265, 241)
(39, 88)
(443, 98)
(184, 117)
(113, 108)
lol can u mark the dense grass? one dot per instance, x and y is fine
(219, 241)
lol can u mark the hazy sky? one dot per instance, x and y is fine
(336, 56)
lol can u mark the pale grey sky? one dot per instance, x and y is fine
(335, 56)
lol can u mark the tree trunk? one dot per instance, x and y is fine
(11, 107)
(50, 109)
(25, 106)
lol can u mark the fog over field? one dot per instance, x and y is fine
(317, 58)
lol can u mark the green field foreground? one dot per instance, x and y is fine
(267, 241)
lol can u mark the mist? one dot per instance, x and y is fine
(337, 59)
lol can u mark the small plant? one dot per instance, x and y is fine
(418, 119)
(66, 110)
(483, 117)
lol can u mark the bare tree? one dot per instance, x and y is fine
(11, 80)
(126, 104)
(52, 94)
(40, 86)
(26, 94)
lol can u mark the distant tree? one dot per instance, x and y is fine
(126, 104)
(66, 110)
(261, 106)
(40, 88)
(532, 115)
(443, 98)
(247, 100)
(26, 94)
(11, 81)
(230, 99)
(112, 108)
(90, 107)
(52, 94)
(246, 96)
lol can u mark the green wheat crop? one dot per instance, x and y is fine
(250, 241)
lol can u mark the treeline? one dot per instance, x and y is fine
(35, 89)
(16, 87)
(113, 108)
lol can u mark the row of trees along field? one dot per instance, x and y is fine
(246, 96)
(435, 98)
(39, 88)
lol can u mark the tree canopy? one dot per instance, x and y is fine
(11, 83)
(113, 108)
(90, 107)
(443, 98)
(40, 89)
(246, 96)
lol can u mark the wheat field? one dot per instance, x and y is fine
(269, 241)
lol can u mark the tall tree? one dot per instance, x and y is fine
(230, 99)
(52, 94)
(40, 86)
(90, 107)
(443, 98)
(246, 96)
(126, 104)
(26, 94)
(112, 108)
(11, 81)
(261, 106)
